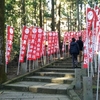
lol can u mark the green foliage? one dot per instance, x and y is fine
(9, 7)
(64, 12)
(14, 15)
(46, 14)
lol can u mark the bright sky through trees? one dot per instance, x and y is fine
(49, 4)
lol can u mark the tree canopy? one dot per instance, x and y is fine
(35, 12)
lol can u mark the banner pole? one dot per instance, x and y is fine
(87, 41)
(6, 51)
(5, 68)
(18, 68)
(18, 63)
(92, 71)
(44, 56)
(19, 57)
(98, 75)
(27, 57)
(29, 65)
(42, 60)
(95, 61)
(33, 65)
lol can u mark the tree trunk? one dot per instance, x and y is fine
(78, 24)
(59, 26)
(23, 13)
(2, 46)
(81, 15)
(58, 19)
(53, 19)
(40, 13)
(70, 19)
(35, 13)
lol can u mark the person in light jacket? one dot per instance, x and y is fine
(74, 51)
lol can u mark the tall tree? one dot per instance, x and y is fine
(23, 12)
(40, 15)
(58, 8)
(2, 46)
(35, 11)
(53, 19)
(77, 4)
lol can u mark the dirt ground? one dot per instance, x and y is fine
(12, 69)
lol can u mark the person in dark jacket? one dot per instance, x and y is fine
(80, 43)
(74, 51)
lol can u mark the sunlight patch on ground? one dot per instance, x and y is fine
(60, 78)
(42, 74)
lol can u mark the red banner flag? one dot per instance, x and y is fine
(24, 41)
(89, 17)
(39, 43)
(44, 45)
(9, 41)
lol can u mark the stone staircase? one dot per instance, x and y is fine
(56, 78)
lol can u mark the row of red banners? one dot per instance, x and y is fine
(90, 36)
(33, 39)
(32, 45)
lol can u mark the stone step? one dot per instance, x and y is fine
(55, 79)
(64, 60)
(60, 66)
(57, 64)
(67, 61)
(39, 87)
(16, 95)
(58, 70)
(63, 80)
(64, 64)
(57, 74)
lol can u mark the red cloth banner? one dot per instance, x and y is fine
(9, 41)
(44, 45)
(24, 42)
(31, 44)
(49, 39)
(99, 39)
(85, 63)
(32, 55)
(53, 43)
(56, 42)
(86, 57)
(89, 17)
(35, 44)
(66, 39)
(89, 20)
(90, 46)
(39, 43)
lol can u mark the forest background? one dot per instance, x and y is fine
(17, 13)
